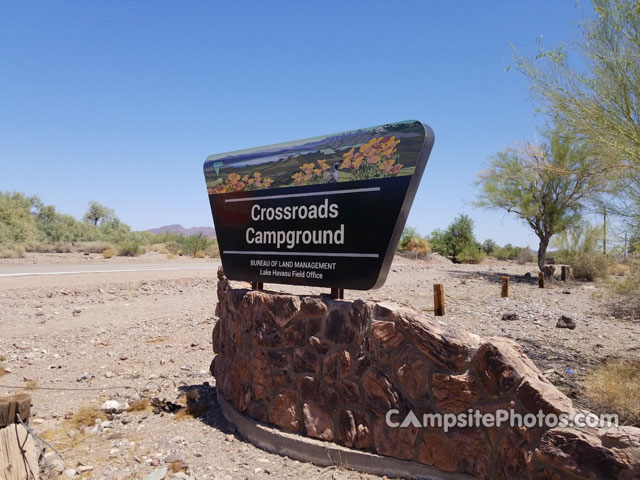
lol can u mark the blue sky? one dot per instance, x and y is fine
(121, 102)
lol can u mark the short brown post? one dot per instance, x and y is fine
(438, 299)
(541, 280)
(505, 287)
(18, 458)
(564, 276)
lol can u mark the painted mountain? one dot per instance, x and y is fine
(377, 152)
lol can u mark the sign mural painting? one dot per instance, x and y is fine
(326, 211)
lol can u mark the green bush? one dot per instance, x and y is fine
(524, 255)
(471, 254)
(488, 246)
(589, 266)
(13, 252)
(631, 282)
(455, 239)
(130, 248)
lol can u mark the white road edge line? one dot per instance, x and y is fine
(27, 274)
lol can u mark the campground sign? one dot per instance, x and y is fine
(326, 211)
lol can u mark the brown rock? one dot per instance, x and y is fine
(513, 459)
(394, 442)
(454, 393)
(379, 392)
(215, 338)
(279, 359)
(360, 316)
(580, 454)
(413, 374)
(354, 429)
(435, 450)
(313, 306)
(317, 422)
(386, 334)
(330, 397)
(240, 395)
(314, 325)
(294, 335)
(318, 345)
(473, 450)
(500, 366)
(336, 366)
(349, 391)
(285, 410)
(305, 361)
(258, 410)
(262, 379)
(309, 388)
(536, 394)
(285, 307)
(444, 346)
(266, 334)
(337, 329)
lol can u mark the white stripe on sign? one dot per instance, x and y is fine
(309, 194)
(27, 274)
(310, 254)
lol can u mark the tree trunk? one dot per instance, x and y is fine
(542, 252)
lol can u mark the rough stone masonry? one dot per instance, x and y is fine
(331, 369)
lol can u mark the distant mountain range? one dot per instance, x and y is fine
(207, 231)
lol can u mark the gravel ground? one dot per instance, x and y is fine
(80, 340)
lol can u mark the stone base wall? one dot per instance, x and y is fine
(332, 369)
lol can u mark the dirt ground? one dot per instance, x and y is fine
(78, 340)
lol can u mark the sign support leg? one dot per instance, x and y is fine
(257, 286)
(337, 293)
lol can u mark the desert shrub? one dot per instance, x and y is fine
(170, 256)
(619, 269)
(91, 247)
(12, 252)
(417, 245)
(199, 254)
(471, 254)
(615, 388)
(109, 252)
(631, 282)
(524, 255)
(130, 248)
(159, 247)
(213, 251)
(589, 266)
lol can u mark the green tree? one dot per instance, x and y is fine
(457, 237)
(488, 246)
(547, 185)
(17, 219)
(593, 88)
(98, 214)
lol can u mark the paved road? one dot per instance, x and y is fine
(74, 269)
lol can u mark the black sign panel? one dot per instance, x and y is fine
(326, 211)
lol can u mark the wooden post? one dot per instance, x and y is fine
(438, 300)
(564, 276)
(541, 280)
(505, 287)
(18, 458)
(257, 285)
